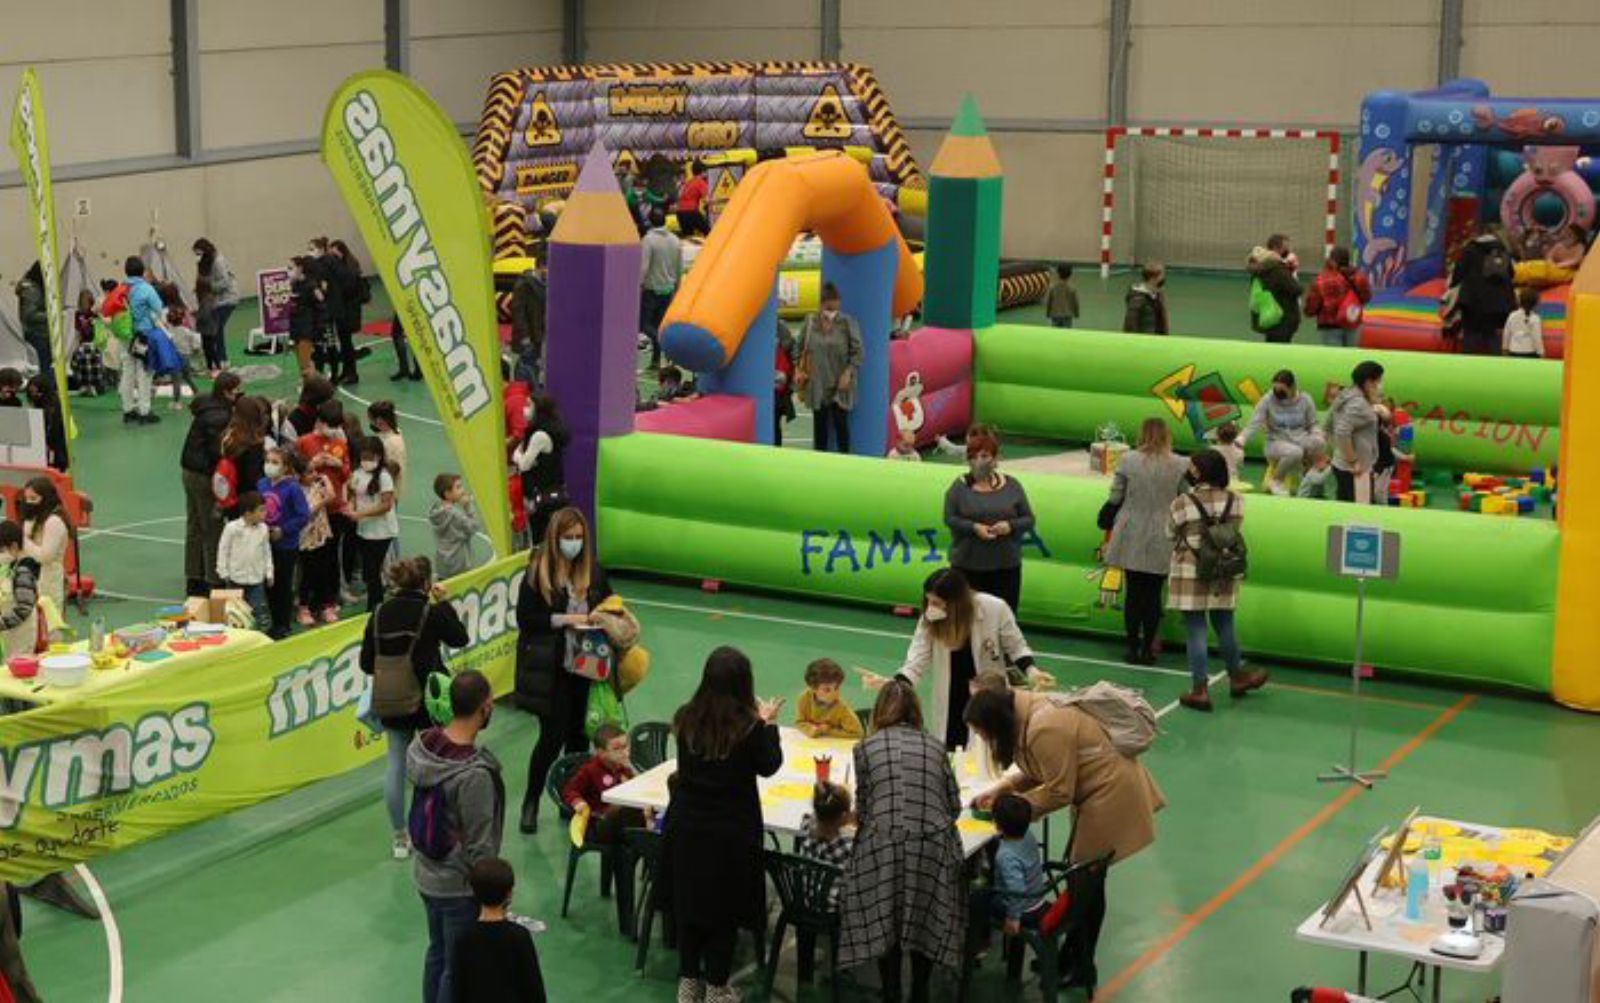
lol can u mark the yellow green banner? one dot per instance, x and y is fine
(30, 141)
(408, 181)
(82, 778)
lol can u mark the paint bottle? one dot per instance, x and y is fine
(97, 635)
(1416, 887)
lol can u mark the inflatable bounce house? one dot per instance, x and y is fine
(1435, 164)
(694, 489)
(539, 124)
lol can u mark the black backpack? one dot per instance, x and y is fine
(1222, 555)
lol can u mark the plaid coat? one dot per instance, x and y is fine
(1185, 590)
(902, 886)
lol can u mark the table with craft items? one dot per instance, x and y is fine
(177, 650)
(786, 795)
(1523, 851)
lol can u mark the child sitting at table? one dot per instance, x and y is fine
(1020, 895)
(825, 840)
(819, 713)
(585, 792)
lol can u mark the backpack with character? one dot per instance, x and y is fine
(1222, 555)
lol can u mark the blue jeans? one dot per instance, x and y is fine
(255, 596)
(1060, 321)
(394, 775)
(448, 919)
(1222, 620)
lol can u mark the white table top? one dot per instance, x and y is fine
(1391, 932)
(786, 795)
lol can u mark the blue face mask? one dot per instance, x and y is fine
(570, 549)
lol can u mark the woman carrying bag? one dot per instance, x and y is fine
(563, 585)
(400, 649)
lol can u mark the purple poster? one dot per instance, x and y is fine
(272, 292)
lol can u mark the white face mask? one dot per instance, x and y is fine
(829, 315)
(933, 614)
(527, 412)
(273, 469)
(369, 465)
(570, 549)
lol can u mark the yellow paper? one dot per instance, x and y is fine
(789, 792)
(1435, 827)
(974, 827)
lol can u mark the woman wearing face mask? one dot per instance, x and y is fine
(1355, 433)
(988, 515)
(563, 584)
(830, 360)
(539, 460)
(961, 635)
(46, 535)
(1288, 416)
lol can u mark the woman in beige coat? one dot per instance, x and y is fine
(1063, 757)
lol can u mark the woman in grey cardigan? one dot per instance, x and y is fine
(1353, 421)
(217, 292)
(988, 514)
(1147, 480)
(830, 360)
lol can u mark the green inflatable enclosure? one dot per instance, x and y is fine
(1471, 414)
(1475, 599)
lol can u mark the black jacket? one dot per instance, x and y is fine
(351, 289)
(400, 613)
(527, 312)
(1485, 274)
(328, 273)
(202, 447)
(541, 648)
(1285, 288)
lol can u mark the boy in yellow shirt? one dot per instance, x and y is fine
(819, 713)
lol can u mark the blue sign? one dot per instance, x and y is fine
(1361, 556)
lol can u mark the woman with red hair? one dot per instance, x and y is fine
(988, 515)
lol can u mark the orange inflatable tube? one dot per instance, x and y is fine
(830, 194)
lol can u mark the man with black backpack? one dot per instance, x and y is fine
(1485, 292)
(457, 818)
(1209, 559)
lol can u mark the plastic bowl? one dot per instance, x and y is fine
(66, 671)
(23, 666)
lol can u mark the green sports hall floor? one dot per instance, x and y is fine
(297, 899)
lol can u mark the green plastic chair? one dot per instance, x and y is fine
(648, 741)
(804, 887)
(561, 772)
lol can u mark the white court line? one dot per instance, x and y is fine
(404, 414)
(113, 934)
(1166, 709)
(876, 632)
(120, 535)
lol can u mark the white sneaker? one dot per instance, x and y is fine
(401, 848)
(1278, 488)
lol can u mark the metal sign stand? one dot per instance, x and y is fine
(1361, 553)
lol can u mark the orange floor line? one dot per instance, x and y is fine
(1324, 691)
(1269, 860)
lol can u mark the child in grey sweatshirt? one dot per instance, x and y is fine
(455, 524)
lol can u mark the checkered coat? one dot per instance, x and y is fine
(1185, 590)
(902, 886)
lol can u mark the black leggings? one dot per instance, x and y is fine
(280, 594)
(836, 418)
(889, 975)
(319, 576)
(373, 553)
(706, 953)
(1004, 584)
(560, 731)
(1141, 609)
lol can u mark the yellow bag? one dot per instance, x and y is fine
(633, 668)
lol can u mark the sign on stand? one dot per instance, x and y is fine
(1364, 553)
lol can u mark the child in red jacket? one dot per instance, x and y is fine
(610, 767)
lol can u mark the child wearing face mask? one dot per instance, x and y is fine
(384, 421)
(288, 512)
(539, 461)
(370, 497)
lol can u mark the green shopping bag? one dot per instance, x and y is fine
(605, 707)
(1265, 311)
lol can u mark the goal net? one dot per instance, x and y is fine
(1202, 197)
